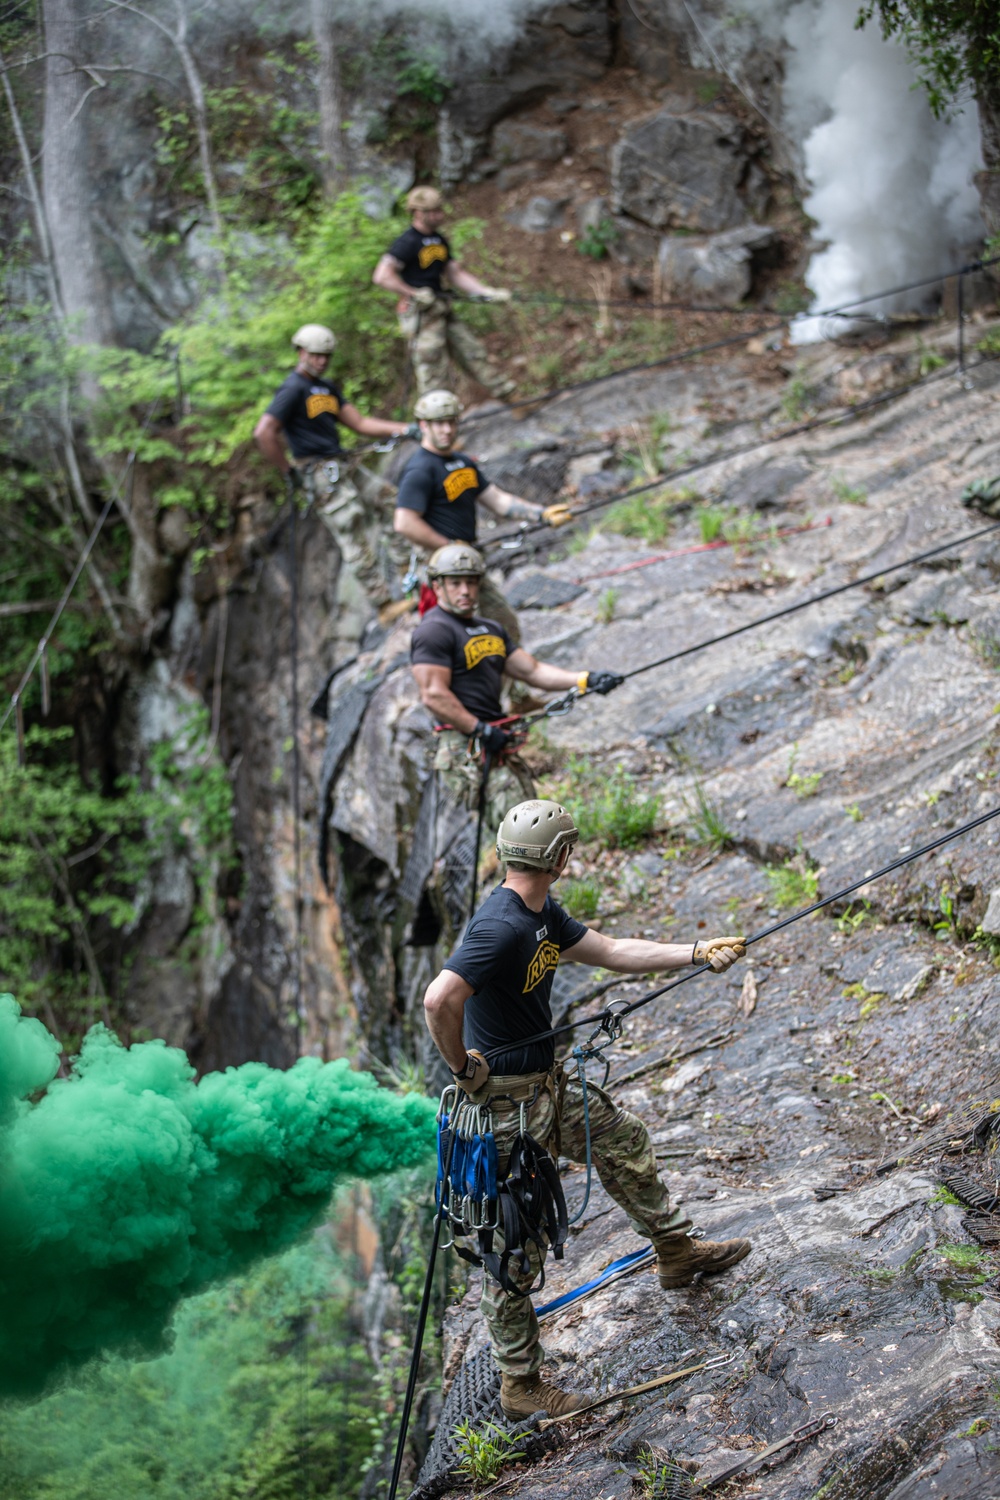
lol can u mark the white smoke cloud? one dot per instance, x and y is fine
(891, 186)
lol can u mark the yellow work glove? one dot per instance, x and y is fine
(474, 1074)
(423, 296)
(495, 294)
(557, 515)
(721, 953)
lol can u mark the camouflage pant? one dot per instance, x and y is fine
(459, 777)
(357, 508)
(433, 333)
(623, 1159)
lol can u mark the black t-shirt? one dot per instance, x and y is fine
(422, 257)
(509, 955)
(475, 650)
(308, 408)
(442, 488)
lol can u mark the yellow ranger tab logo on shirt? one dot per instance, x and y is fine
(546, 958)
(428, 254)
(481, 646)
(458, 481)
(321, 402)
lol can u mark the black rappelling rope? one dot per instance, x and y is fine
(480, 819)
(791, 609)
(512, 540)
(296, 770)
(610, 1017)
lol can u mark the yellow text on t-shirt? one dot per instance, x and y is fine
(482, 646)
(428, 254)
(546, 957)
(321, 402)
(458, 481)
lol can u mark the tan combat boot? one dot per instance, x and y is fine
(522, 1395)
(678, 1261)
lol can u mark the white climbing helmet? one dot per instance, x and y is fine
(314, 338)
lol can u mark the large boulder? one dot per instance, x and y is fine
(517, 141)
(681, 171)
(717, 268)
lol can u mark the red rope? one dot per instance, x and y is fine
(644, 562)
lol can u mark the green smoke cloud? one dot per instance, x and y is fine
(127, 1185)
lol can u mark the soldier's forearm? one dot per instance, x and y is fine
(409, 524)
(502, 503)
(637, 956)
(447, 709)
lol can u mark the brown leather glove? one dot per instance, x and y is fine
(475, 1072)
(721, 953)
(495, 294)
(557, 515)
(423, 296)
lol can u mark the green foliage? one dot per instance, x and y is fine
(789, 298)
(710, 522)
(965, 1257)
(267, 1393)
(929, 360)
(792, 885)
(796, 399)
(708, 824)
(581, 898)
(947, 925)
(607, 808)
(74, 859)
(648, 516)
(953, 43)
(853, 811)
(850, 920)
(606, 606)
(946, 1196)
(989, 344)
(597, 239)
(846, 493)
(656, 1479)
(802, 786)
(484, 1451)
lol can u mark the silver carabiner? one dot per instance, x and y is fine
(719, 1360)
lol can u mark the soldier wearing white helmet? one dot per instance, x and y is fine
(305, 415)
(492, 997)
(439, 489)
(419, 269)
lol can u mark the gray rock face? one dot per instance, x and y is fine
(517, 141)
(538, 214)
(717, 269)
(681, 171)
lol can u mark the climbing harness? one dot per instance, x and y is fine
(717, 1363)
(803, 1434)
(526, 1204)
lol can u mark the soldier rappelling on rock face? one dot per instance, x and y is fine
(492, 997)
(418, 269)
(305, 414)
(460, 658)
(438, 491)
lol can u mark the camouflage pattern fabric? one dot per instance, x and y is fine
(493, 606)
(357, 508)
(623, 1159)
(433, 333)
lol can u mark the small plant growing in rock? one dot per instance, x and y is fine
(484, 1451)
(607, 809)
(581, 898)
(707, 821)
(848, 494)
(606, 605)
(963, 1257)
(597, 239)
(795, 400)
(854, 813)
(792, 884)
(802, 786)
(658, 1479)
(850, 920)
(710, 522)
(946, 1196)
(929, 360)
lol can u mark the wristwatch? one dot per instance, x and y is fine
(469, 1067)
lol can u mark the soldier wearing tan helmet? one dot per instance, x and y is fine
(305, 415)
(439, 489)
(492, 997)
(461, 656)
(419, 270)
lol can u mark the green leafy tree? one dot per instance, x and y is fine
(954, 43)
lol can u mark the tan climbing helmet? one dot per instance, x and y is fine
(438, 406)
(456, 560)
(314, 338)
(422, 197)
(534, 834)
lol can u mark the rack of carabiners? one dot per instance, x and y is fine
(467, 1187)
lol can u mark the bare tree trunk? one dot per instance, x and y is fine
(66, 181)
(333, 161)
(197, 91)
(988, 181)
(34, 195)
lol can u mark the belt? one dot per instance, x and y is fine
(519, 1087)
